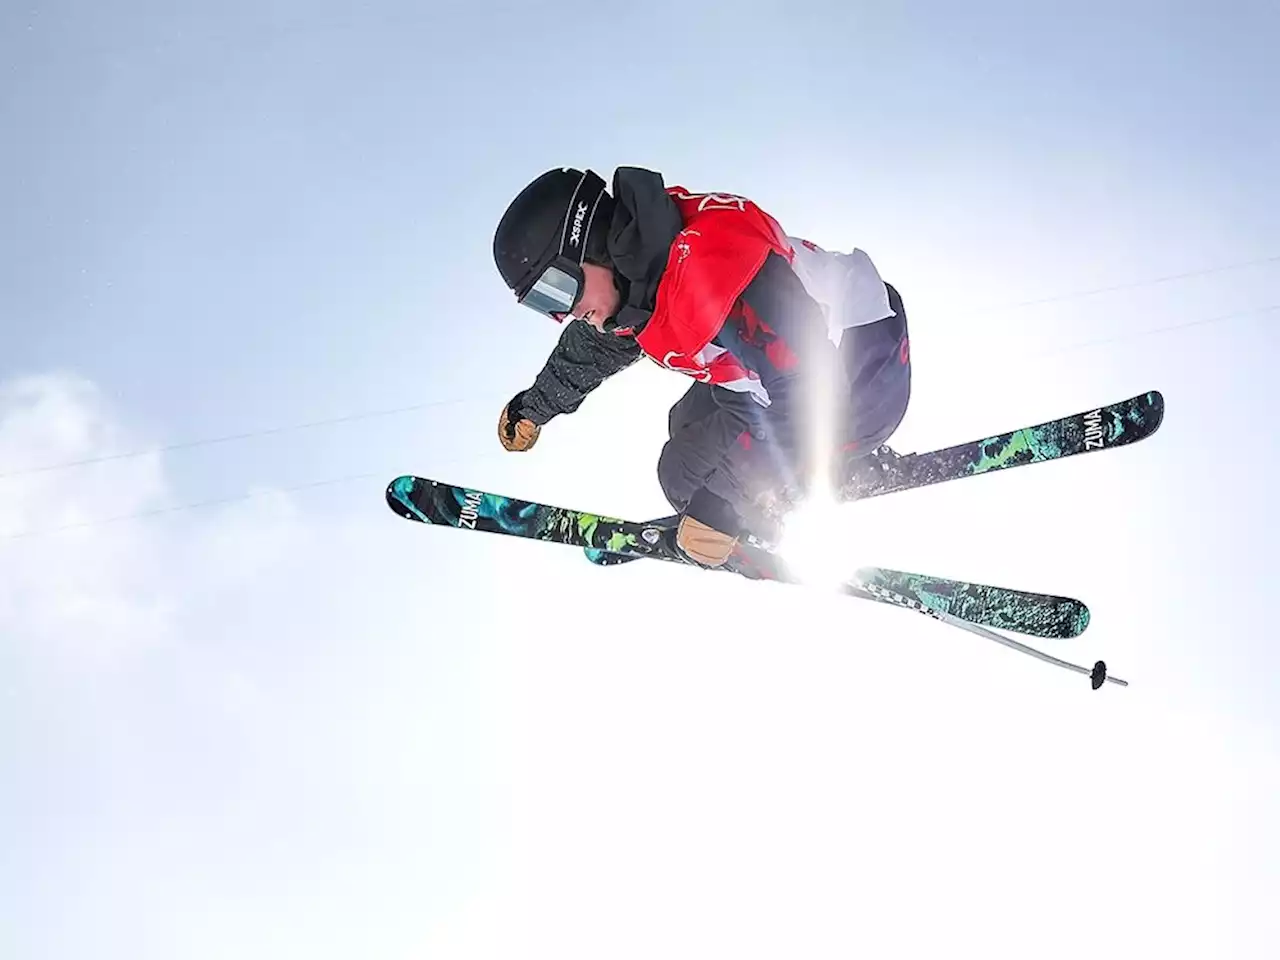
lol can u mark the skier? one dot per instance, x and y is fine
(799, 356)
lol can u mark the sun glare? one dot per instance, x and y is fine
(814, 544)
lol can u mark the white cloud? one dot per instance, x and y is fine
(87, 592)
(78, 573)
(228, 729)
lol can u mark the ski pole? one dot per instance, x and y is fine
(1097, 676)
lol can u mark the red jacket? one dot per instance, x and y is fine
(725, 241)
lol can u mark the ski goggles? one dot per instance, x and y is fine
(555, 291)
(557, 285)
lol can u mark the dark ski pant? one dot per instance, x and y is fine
(877, 360)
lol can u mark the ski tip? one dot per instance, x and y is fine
(1083, 617)
(399, 496)
(1156, 401)
(1099, 675)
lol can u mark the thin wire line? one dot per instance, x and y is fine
(209, 441)
(219, 501)
(1235, 315)
(30, 534)
(369, 415)
(1135, 284)
(368, 476)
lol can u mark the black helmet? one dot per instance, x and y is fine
(552, 226)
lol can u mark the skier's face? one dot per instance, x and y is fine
(600, 297)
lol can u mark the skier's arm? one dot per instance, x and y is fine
(583, 359)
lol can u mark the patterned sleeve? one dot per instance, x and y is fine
(582, 360)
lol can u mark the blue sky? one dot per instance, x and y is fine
(291, 725)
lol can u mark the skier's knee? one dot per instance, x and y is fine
(674, 480)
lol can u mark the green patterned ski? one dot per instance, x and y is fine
(433, 502)
(1103, 428)
(1019, 611)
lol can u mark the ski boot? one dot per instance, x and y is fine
(860, 472)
